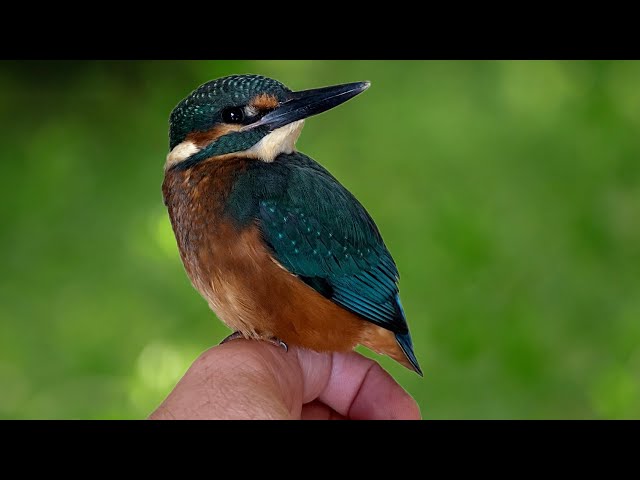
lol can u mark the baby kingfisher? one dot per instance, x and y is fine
(277, 246)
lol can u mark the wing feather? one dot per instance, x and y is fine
(319, 231)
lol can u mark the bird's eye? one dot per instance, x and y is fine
(233, 115)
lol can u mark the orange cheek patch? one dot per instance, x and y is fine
(264, 102)
(202, 139)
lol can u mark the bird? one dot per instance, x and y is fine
(277, 246)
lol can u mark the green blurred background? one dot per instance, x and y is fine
(508, 193)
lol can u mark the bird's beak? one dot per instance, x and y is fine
(303, 104)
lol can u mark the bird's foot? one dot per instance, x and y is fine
(233, 336)
(277, 342)
(272, 340)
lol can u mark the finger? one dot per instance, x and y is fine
(319, 411)
(356, 387)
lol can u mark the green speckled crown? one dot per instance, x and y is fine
(202, 108)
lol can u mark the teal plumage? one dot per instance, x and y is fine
(317, 230)
(202, 107)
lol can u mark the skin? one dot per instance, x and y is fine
(249, 379)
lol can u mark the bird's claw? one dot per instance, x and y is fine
(233, 336)
(279, 343)
(272, 340)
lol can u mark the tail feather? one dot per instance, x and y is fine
(404, 340)
(397, 345)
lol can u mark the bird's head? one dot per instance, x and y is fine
(248, 115)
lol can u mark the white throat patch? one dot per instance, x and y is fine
(180, 152)
(281, 140)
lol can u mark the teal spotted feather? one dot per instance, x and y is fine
(319, 231)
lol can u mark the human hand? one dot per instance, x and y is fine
(247, 379)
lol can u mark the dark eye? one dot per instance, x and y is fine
(233, 115)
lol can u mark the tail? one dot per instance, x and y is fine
(384, 341)
(404, 340)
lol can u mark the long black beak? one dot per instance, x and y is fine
(306, 103)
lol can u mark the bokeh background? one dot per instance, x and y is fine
(508, 193)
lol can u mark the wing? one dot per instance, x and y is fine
(317, 230)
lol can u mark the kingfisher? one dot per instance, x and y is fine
(279, 249)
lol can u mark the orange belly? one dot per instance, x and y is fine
(255, 295)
